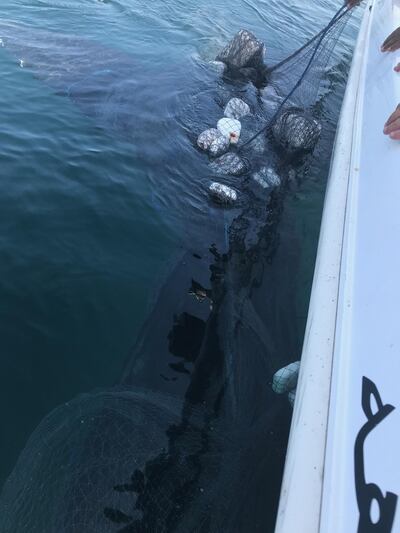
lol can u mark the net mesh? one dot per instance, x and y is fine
(124, 461)
(81, 470)
(244, 56)
(296, 82)
(281, 117)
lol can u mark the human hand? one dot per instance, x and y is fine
(392, 126)
(352, 3)
(392, 43)
(397, 68)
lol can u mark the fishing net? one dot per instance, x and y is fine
(289, 89)
(295, 131)
(124, 461)
(296, 81)
(82, 467)
(244, 56)
(275, 123)
(135, 461)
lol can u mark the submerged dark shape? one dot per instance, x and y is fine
(103, 81)
(244, 56)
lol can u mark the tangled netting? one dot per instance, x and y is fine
(295, 131)
(124, 461)
(279, 119)
(297, 81)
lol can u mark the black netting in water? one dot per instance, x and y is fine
(293, 130)
(124, 461)
(244, 56)
(83, 468)
(296, 81)
(108, 461)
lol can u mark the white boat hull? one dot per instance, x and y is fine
(353, 330)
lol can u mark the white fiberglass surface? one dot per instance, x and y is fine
(361, 479)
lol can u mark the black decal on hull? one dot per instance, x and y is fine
(367, 493)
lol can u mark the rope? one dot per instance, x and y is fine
(339, 14)
(321, 35)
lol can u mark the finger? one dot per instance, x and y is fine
(393, 126)
(393, 116)
(397, 68)
(395, 135)
(389, 126)
(389, 42)
(387, 45)
(393, 41)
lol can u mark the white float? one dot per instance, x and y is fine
(206, 138)
(219, 146)
(267, 177)
(292, 397)
(236, 109)
(230, 128)
(222, 193)
(285, 379)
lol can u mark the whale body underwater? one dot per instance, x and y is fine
(189, 440)
(102, 82)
